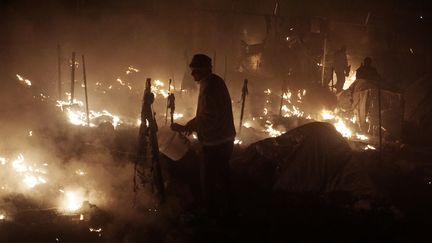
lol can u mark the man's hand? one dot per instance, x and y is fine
(177, 127)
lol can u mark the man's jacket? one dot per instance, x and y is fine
(214, 121)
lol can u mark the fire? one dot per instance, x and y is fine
(77, 115)
(292, 109)
(341, 126)
(72, 200)
(131, 70)
(2, 216)
(158, 88)
(24, 80)
(343, 129)
(271, 131)
(247, 125)
(349, 80)
(98, 230)
(369, 147)
(31, 174)
(178, 115)
(80, 172)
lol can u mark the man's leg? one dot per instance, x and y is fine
(340, 76)
(215, 176)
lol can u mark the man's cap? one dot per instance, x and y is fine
(201, 61)
(367, 60)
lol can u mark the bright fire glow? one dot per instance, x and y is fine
(31, 174)
(72, 201)
(271, 131)
(77, 116)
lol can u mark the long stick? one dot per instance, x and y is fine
(244, 94)
(59, 83)
(72, 77)
(379, 122)
(214, 61)
(323, 60)
(85, 89)
(282, 97)
(168, 101)
(225, 72)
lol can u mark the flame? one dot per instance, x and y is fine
(77, 116)
(343, 129)
(24, 80)
(341, 126)
(72, 201)
(271, 131)
(238, 141)
(31, 175)
(178, 115)
(349, 80)
(327, 115)
(247, 125)
(369, 147)
(131, 70)
(158, 88)
(98, 230)
(80, 172)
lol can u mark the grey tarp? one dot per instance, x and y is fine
(310, 158)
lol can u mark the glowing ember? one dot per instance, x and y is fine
(178, 115)
(247, 125)
(98, 230)
(369, 147)
(80, 172)
(24, 80)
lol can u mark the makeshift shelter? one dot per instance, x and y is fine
(361, 99)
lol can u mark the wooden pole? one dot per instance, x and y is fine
(214, 61)
(323, 63)
(244, 94)
(168, 101)
(379, 122)
(72, 77)
(85, 90)
(59, 82)
(225, 72)
(282, 98)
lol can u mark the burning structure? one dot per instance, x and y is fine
(304, 155)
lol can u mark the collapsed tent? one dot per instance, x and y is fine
(311, 158)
